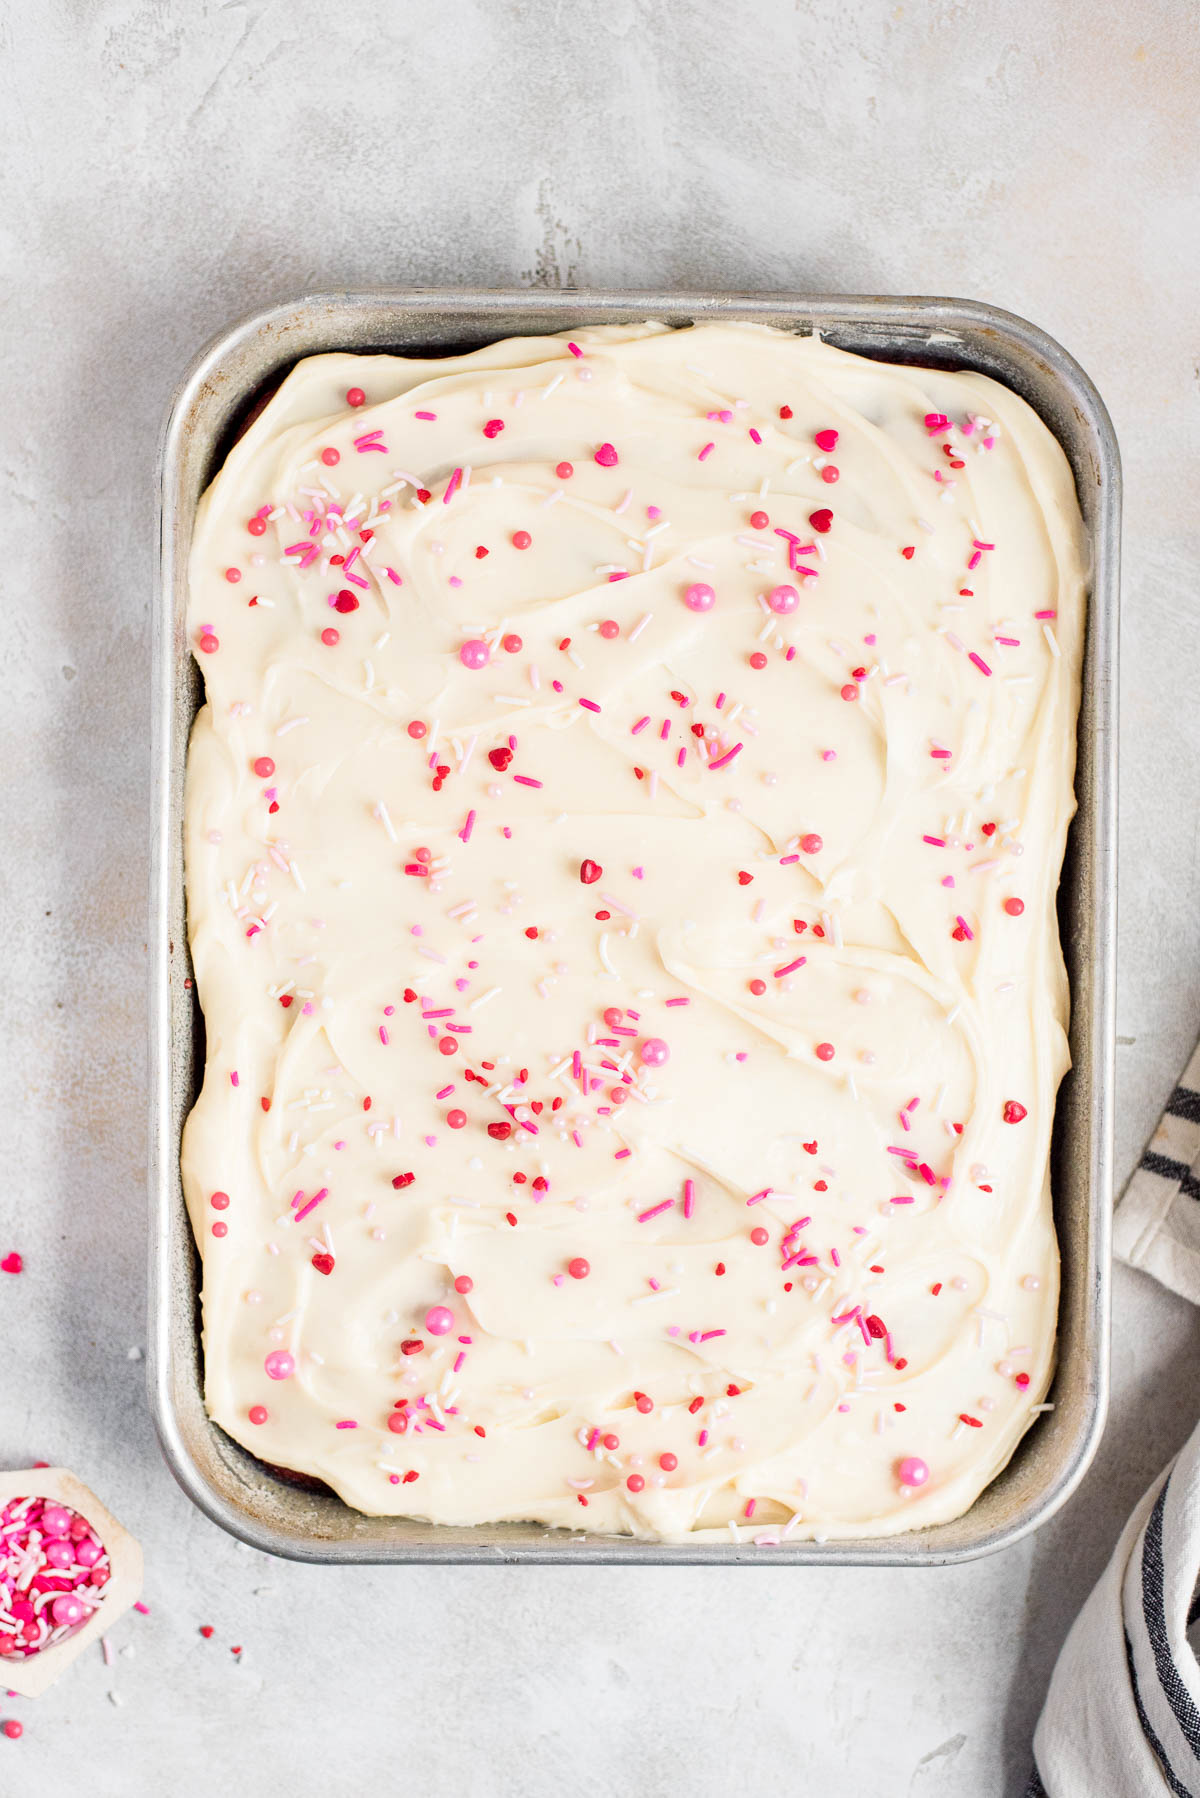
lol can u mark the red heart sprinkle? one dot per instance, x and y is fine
(493, 427)
(206, 1630)
(499, 1132)
(744, 879)
(12, 1264)
(909, 551)
(1014, 1111)
(826, 440)
(821, 520)
(590, 872)
(500, 758)
(323, 1263)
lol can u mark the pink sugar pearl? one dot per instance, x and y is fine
(279, 1365)
(59, 1553)
(783, 599)
(699, 597)
(912, 1471)
(438, 1320)
(654, 1052)
(88, 1552)
(258, 1414)
(474, 653)
(56, 1521)
(68, 1610)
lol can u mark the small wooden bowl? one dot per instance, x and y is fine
(31, 1675)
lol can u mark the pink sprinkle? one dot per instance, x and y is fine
(464, 835)
(689, 1197)
(756, 1198)
(1010, 642)
(345, 1423)
(901, 1199)
(525, 780)
(1050, 614)
(640, 725)
(383, 1035)
(791, 967)
(622, 1155)
(143, 1608)
(312, 1203)
(706, 452)
(707, 1335)
(723, 761)
(976, 544)
(979, 663)
(965, 928)
(754, 435)
(445, 1092)
(785, 861)
(938, 842)
(575, 349)
(677, 1001)
(589, 705)
(393, 577)
(655, 1210)
(233, 1079)
(429, 415)
(452, 486)
(975, 560)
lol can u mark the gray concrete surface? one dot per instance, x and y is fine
(170, 166)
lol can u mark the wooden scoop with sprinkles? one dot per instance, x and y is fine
(67, 1572)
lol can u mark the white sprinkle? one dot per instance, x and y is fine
(292, 724)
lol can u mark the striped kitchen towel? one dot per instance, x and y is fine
(1157, 1225)
(1122, 1717)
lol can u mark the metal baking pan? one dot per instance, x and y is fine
(240, 1492)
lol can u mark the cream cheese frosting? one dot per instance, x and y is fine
(622, 832)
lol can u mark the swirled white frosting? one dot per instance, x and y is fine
(819, 1259)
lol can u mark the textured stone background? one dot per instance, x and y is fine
(169, 166)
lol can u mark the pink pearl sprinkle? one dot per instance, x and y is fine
(258, 1414)
(511, 644)
(330, 637)
(812, 844)
(610, 629)
(912, 1471)
(783, 599)
(67, 1610)
(654, 1052)
(474, 653)
(825, 1051)
(279, 1365)
(699, 597)
(439, 1321)
(56, 1521)
(330, 457)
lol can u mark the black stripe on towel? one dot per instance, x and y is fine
(1164, 1167)
(1184, 1103)
(1190, 1188)
(1180, 1791)
(1035, 1788)
(1154, 1612)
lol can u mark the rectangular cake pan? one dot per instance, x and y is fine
(230, 1485)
